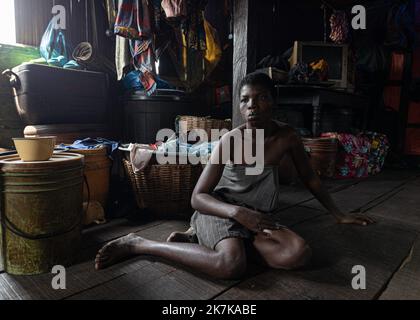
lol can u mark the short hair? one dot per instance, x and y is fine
(261, 79)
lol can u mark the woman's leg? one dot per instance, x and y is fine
(228, 261)
(282, 249)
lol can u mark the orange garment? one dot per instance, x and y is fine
(397, 66)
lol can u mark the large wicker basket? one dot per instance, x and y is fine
(165, 190)
(204, 123)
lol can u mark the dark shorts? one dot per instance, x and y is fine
(210, 230)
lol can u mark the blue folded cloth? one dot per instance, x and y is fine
(90, 144)
(199, 149)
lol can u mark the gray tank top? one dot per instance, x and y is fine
(260, 193)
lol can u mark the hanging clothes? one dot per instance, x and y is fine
(135, 21)
(189, 47)
(400, 32)
(122, 56)
(191, 65)
(214, 51)
(193, 27)
(340, 27)
(188, 63)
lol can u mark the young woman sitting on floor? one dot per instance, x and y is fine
(235, 212)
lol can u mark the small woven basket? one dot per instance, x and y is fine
(165, 190)
(205, 123)
(323, 155)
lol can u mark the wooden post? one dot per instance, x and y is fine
(245, 51)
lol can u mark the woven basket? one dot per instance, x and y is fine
(323, 155)
(165, 190)
(204, 123)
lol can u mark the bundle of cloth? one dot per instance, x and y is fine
(134, 22)
(141, 154)
(92, 144)
(379, 148)
(361, 155)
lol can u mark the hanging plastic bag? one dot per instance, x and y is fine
(55, 49)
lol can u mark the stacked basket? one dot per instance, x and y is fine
(323, 154)
(188, 123)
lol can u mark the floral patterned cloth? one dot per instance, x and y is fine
(360, 156)
(379, 147)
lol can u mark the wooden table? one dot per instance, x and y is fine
(319, 97)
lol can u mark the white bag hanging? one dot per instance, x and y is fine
(175, 9)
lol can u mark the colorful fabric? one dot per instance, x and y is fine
(352, 156)
(132, 82)
(360, 156)
(379, 147)
(135, 20)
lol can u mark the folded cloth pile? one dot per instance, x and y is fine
(91, 144)
(178, 145)
(141, 154)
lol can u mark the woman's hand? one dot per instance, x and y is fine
(255, 221)
(356, 219)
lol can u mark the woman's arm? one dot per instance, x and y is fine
(202, 199)
(314, 184)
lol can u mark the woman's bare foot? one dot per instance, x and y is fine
(183, 237)
(118, 250)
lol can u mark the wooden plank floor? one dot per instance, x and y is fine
(389, 251)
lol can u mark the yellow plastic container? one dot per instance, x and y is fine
(32, 149)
